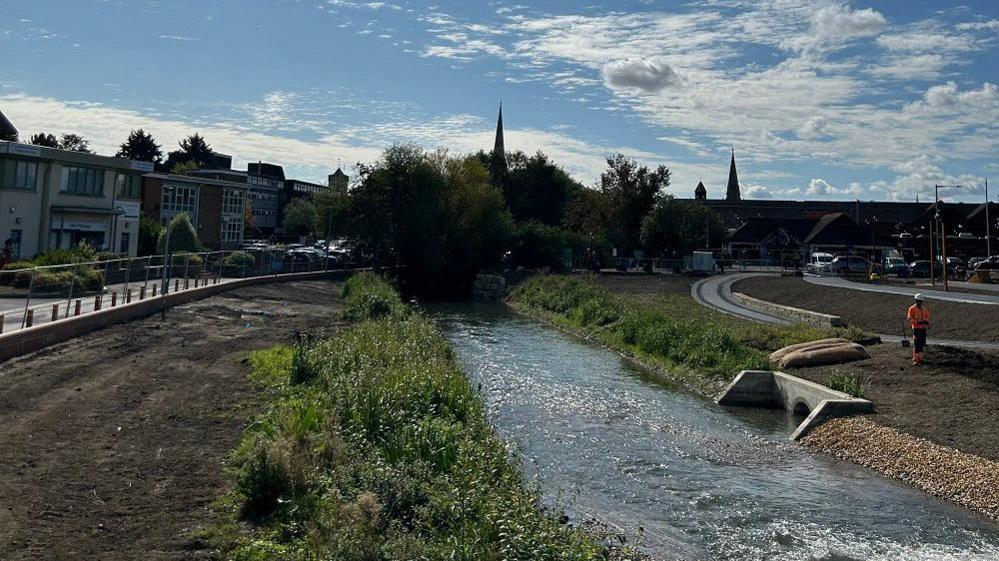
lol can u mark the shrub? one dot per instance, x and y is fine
(368, 296)
(183, 237)
(240, 259)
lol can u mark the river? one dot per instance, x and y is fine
(683, 476)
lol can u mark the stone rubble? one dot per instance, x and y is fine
(963, 478)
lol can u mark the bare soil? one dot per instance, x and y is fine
(950, 399)
(880, 313)
(114, 444)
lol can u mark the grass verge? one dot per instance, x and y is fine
(699, 347)
(376, 447)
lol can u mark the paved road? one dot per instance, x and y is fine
(716, 292)
(930, 294)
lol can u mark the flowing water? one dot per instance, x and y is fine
(690, 479)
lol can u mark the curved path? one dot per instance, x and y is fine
(930, 294)
(716, 292)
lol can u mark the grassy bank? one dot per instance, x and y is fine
(701, 348)
(375, 447)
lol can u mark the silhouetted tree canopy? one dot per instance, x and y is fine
(140, 146)
(630, 190)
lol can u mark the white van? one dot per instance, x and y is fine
(819, 262)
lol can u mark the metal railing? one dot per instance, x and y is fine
(35, 295)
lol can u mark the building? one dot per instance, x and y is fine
(266, 182)
(8, 132)
(52, 198)
(215, 206)
(338, 181)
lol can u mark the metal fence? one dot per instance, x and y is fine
(30, 296)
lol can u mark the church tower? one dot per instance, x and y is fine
(498, 158)
(700, 193)
(733, 193)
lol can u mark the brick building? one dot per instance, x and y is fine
(216, 207)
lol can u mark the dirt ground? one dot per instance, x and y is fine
(880, 313)
(112, 445)
(950, 399)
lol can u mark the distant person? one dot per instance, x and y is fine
(919, 320)
(5, 254)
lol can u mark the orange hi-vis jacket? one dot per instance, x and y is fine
(919, 318)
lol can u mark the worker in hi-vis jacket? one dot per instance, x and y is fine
(919, 320)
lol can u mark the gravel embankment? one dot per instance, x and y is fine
(965, 479)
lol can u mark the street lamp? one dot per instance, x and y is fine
(165, 282)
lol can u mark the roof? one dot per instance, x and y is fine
(756, 229)
(7, 129)
(197, 180)
(837, 229)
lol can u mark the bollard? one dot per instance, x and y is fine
(155, 287)
(76, 311)
(29, 318)
(114, 299)
(55, 312)
(97, 303)
(1, 323)
(176, 285)
(128, 296)
(142, 293)
(187, 283)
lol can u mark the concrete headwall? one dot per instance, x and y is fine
(35, 338)
(777, 390)
(799, 315)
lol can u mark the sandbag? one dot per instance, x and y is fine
(777, 355)
(828, 355)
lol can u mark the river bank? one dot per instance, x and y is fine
(376, 446)
(958, 419)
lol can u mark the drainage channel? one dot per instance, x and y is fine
(686, 477)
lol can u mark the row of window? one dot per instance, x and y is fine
(232, 230)
(232, 202)
(75, 180)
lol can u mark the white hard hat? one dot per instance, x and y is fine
(919, 297)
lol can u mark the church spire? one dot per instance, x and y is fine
(499, 148)
(733, 193)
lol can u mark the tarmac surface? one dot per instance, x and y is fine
(929, 294)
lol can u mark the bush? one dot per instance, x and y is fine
(368, 296)
(849, 384)
(183, 237)
(241, 259)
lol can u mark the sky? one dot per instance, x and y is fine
(820, 99)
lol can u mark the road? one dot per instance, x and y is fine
(716, 292)
(929, 294)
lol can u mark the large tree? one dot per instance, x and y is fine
(299, 217)
(194, 151)
(681, 226)
(631, 190)
(439, 215)
(537, 189)
(47, 140)
(75, 143)
(141, 146)
(332, 207)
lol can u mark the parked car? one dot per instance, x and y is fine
(988, 264)
(922, 269)
(896, 266)
(955, 266)
(818, 262)
(850, 265)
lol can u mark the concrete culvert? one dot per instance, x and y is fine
(801, 409)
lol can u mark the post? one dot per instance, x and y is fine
(72, 285)
(933, 263)
(76, 308)
(943, 244)
(128, 295)
(187, 268)
(153, 293)
(142, 293)
(55, 311)
(97, 302)
(29, 318)
(176, 285)
(31, 286)
(128, 275)
(145, 282)
(165, 281)
(329, 227)
(114, 299)
(1, 323)
(988, 225)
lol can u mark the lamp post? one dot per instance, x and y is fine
(943, 232)
(988, 225)
(165, 282)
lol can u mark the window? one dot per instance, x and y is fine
(82, 181)
(178, 199)
(127, 186)
(15, 245)
(24, 174)
(126, 239)
(232, 202)
(232, 230)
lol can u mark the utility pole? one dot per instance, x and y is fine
(943, 231)
(988, 225)
(165, 282)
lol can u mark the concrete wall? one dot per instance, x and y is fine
(777, 390)
(798, 315)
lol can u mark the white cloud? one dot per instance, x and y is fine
(838, 25)
(991, 25)
(650, 74)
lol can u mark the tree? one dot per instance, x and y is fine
(75, 143)
(587, 214)
(681, 226)
(46, 140)
(537, 189)
(438, 215)
(183, 237)
(331, 213)
(149, 235)
(299, 217)
(193, 150)
(140, 146)
(631, 191)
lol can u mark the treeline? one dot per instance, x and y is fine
(443, 217)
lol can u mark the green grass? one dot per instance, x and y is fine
(369, 296)
(702, 347)
(849, 384)
(376, 447)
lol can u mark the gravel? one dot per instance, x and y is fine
(965, 479)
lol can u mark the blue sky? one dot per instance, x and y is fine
(820, 99)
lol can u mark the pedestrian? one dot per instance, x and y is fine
(5, 254)
(919, 320)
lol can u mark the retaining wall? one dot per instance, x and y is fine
(38, 337)
(789, 312)
(777, 390)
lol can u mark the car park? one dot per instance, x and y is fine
(850, 265)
